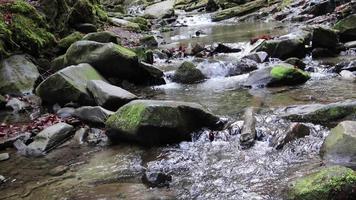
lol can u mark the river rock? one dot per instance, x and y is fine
(279, 75)
(347, 75)
(102, 37)
(65, 112)
(86, 28)
(239, 11)
(69, 85)
(152, 122)
(295, 131)
(319, 113)
(149, 41)
(248, 132)
(258, 57)
(4, 156)
(51, 137)
(112, 61)
(8, 142)
(287, 46)
(91, 114)
(188, 73)
(350, 45)
(324, 38)
(339, 146)
(17, 75)
(109, 96)
(328, 183)
(222, 48)
(347, 28)
(65, 42)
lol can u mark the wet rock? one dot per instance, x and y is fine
(350, 45)
(279, 75)
(65, 112)
(97, 137)
(347, 28)
(187, 73)
(153, 75)
(149, 41)
(152, 122)
(248, 132)
(222, 48)
(86, 28)
(339, 146)
(319, 113)
(349, 66)
(51, 137)
(324, 38)
(59, 171)
(328, 183)
(295, 131)
(323, 53)
(258, 57)
(211, 6)
(70, 83)
(17, 105)
(242, 67)
(109, 96)
(156, 179)
(317, 8)
(287, 46)
(4, 156)
(347, 75)
(80, 135)
(296, 62)
(102, 37)
(8, 143)
(91, 114)
(17, 75)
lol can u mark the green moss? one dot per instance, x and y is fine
(127, 118)
(125, 51)
(102, 15)
(142, 22)
(324, 184)
(69, 40)
(280, 72)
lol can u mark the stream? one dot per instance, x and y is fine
(200, 168)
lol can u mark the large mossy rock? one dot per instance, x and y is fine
(152, 122)
(112, 61)
(320, 113)
(347, 28)
(17, 75)
(188, 73)
(279, 75)
(103, 37)
(340, 145)
(65, 42)
(287, 46)
(329, 183)
(69, 85)
(239, 11)
(26, 30)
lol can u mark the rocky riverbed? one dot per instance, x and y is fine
(177, 99)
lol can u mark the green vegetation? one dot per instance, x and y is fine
(280, 72)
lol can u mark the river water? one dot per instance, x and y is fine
(200, 168)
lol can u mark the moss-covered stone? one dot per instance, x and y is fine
(329, 183)
(103, 37)
(187, 73)
(289, 73)
(149, 41)
(240, 10)
(65, 42)
(347, 28)
(143, 23)
(70, 83)
(158, 122)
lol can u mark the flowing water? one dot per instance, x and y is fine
(200, 168)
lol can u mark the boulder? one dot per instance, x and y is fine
(103, 37)
(112, 61)
(97, 114)
(69, 85)
(17, 75)
(65, 42)
(239, 11)
(339, 146)
(187, 73)
(291, 45)
(324, 38)
(109, 96)
(152, 122)
(58, 63)
(347, 28)
(279, 75)
(319, 113)
(51, 137)
(329, 183)
(86, 28)
(149, 41)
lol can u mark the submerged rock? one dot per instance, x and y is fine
(319, 113)
(295, 131)
(347, 28)
(188, 73)
(329, 183)
(279, 75)
(152, 122)
(339, 146)
(109, 96)
(69, 85)
(17, 75)
(91, 114)
(51, 137)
